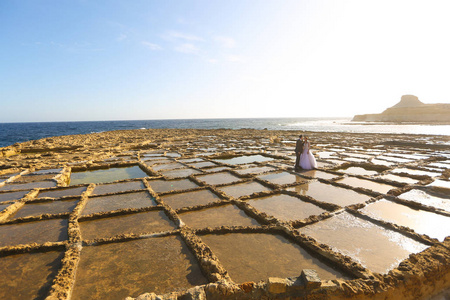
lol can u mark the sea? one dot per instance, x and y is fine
(11, 133)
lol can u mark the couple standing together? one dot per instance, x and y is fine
(305, 160)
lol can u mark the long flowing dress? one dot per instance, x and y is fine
(307, 160)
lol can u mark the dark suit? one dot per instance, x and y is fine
(298, 152)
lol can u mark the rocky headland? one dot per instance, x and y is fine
(410, 109)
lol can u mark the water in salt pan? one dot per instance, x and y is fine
(169, 166)
(106, 175)
(255, 170)
(397, 178)
(367, 184)
(258, 256)
(416, 172)
(54, 230)
(115, 202)
(358, 171)
(243, 189)
(376, 248)
(282, 178)
(285, 207)
(180, 173)
(3, 206)
(244, 159)
(423, 222)
(28, 275)
(35, 178)
(227, 215)
(422, 197)
(48, 207)
(138, 223)
(162, 186)
(58, 193)
(382, 162)
(9, 196)
(218, 178)
(118, 187)
(203, 164)
(28, 186)
(119, 270)
(329, 193)
(187, 199)
(317, 174)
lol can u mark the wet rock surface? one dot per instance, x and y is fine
(202, 214)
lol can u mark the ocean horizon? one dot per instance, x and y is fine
(11, 133)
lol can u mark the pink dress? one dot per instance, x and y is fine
(307, 160)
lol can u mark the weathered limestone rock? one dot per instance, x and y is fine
(410, 109)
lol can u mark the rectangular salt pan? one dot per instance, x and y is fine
(422, 222)
(138, 223)
(33, 232)
(285, 207)
(227, 215)
(28, 275)
(160, 265)
(376, 248)
(258, 256)
(116, 202)
(106, 175)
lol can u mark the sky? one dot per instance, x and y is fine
(83, 60)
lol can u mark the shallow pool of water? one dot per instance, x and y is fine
(255, 170)
(243, 189)
(106, 175)
(218, 178)
(33, 232)
(118, 187)
(9, 196)
(203, 164)
(285, 207)
(27, 186)
(119, 270)
(367, 184)
(317, 174)
(358, 171)
(422, 197)
(162, 186)
(28, 275)
(282, 178)
(139, 223)
(180, 173)
(227, 215)
(48, 207)
(187, 199)
(246, 159)
(57, 193)
(423, 222)
(258, 256)
(116, 202)
(329, 193)
(416, 172)
(169, 166)
(376, 248)
(397, 178)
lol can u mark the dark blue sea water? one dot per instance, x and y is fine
(11, 133)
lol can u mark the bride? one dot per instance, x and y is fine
(307, 160)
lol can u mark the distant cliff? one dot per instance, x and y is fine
(410, 109)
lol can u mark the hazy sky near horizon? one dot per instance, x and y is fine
(135, 60)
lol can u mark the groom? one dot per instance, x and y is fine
(298, 151)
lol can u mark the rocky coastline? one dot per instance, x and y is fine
(40, 171)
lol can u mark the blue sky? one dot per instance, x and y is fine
(125, 60)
